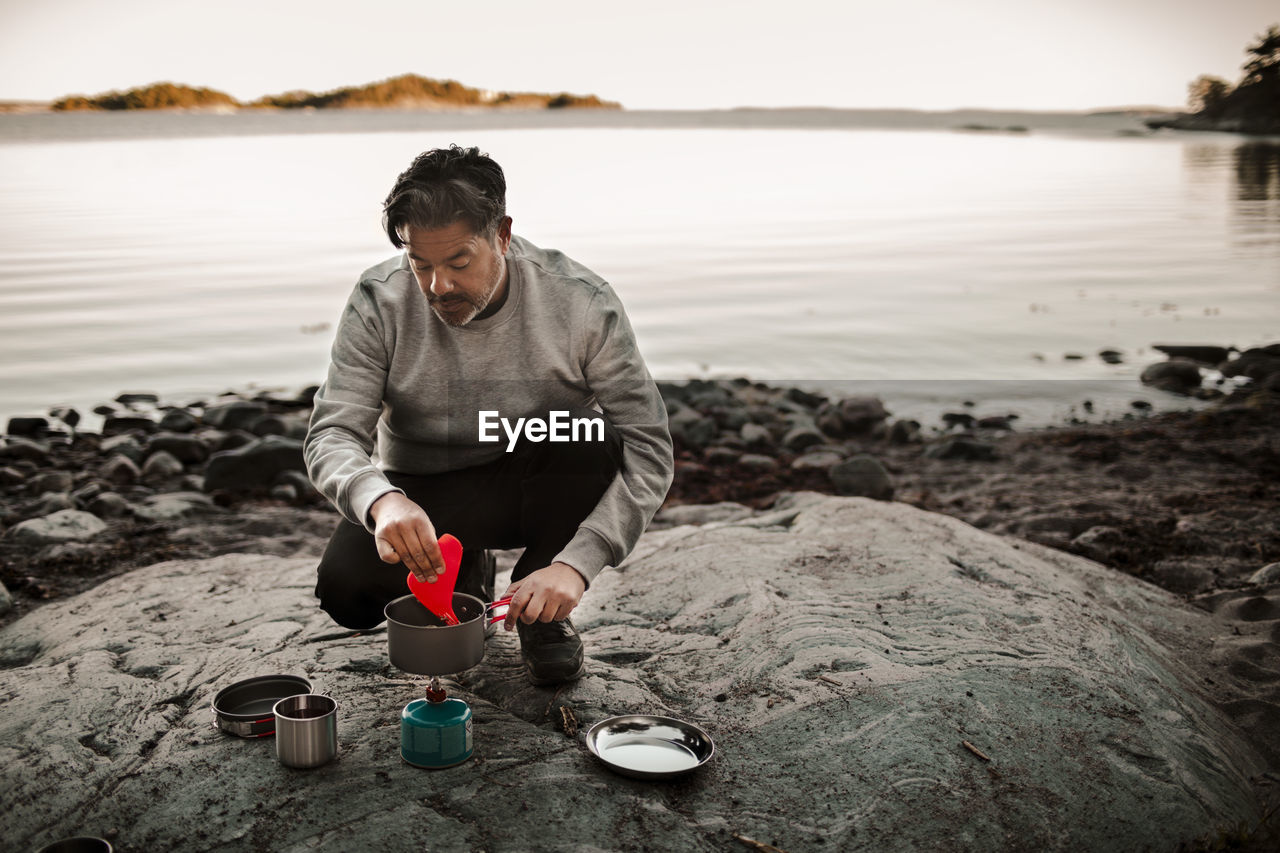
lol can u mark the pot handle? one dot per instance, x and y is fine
(494, 605)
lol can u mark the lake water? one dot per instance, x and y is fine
(188, 254)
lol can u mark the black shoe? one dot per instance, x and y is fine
(552, 652)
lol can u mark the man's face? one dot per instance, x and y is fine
(459, 271)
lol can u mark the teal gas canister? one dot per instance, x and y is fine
(435, 732)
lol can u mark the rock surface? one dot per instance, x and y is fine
(839, 651)
(65, 525)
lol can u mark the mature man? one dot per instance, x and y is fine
(475, 359)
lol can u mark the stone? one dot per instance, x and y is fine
(1269, 573)
(89, 491)
(828, 420)
(11, 477)
(905, 431)
(964, 420)
(862, 476)
(1257, 363)
(1210, 355)
(860, 414)
(27, 426)
(298, 479)
(108, 505)
(68, 525)
(123, 445)
(758, 462)
(50, 481)
(819, 458)
(1187, 575)
(1085, 688)
(104, 409)
(959, 447)
(66, 414)
(755, 435)
(720, 455)
(174, 505)
(120, 470)
(6, 600)
(801, 437)
(178, 420)
(692, 429)
(187, 449)
(805, 398)
(284, 492)
(1177, 375)
(729, 418)
(269, 425)
(15, 447)
(129, 398)
(237, 414)
(49, 503)
(161, 466)
(1100, 542)
(116, 424)
(1111, 356)
(254, 465)
(996, 422)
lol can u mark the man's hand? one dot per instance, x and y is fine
(545, 595)
(403, 533)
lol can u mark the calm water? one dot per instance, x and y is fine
(189, 254)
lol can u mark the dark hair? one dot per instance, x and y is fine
(443, 186)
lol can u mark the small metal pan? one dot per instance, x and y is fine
(244, 708)
(647, 747)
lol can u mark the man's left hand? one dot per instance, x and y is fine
(545, 595)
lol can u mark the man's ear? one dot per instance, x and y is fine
(504, 234)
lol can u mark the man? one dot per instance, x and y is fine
(510, 408)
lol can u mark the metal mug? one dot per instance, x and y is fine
(306, 730)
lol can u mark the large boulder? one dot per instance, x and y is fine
(841, 652)
(254, 465)
(1177, 375)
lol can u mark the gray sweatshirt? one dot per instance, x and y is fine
(560, 340)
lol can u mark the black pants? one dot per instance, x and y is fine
(534, 497)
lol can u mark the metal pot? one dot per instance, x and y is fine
(419, 642)
(244, 708)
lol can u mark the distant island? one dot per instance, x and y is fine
(408, 91)
(1251, 106)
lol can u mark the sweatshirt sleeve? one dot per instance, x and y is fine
(629, 398)
(340, 439)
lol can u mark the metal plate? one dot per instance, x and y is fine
(244, 708)
(647, 747)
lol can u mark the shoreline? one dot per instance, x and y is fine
(1189, 500)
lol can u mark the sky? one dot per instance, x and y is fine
(661, 54)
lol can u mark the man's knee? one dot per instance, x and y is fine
(344, 590)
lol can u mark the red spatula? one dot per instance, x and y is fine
(438, 597)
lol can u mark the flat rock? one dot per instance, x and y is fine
(698, 514)
(839, 659)
(67, 525)
(173, 505)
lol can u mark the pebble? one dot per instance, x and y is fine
(129, 398)
(160, 466)
(11, 477)
(758, 462)
(237, 414)
(125, 445)
(67, 415)
(755, 435)
(178, 420)
(6, 600)
(16, 447)
(862, 413)
(802, 437)
(721, 455)
(187, 449)
(959, 447)
(68, 525)
(1269, 573)
(820, 458)
(115, 424)
(1177, 375)
(862, 476)
(108, 505)
(120, 470)
(50, 481)
(27, 426)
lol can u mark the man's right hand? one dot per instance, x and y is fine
(404, 534)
